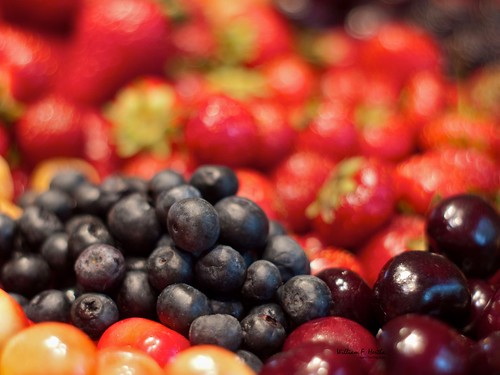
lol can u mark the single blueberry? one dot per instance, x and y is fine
(215, 182)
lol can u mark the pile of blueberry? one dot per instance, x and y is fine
(188, 253)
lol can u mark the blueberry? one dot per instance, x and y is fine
(227, 305)
(222, 269)
(167, 198)
(136, 263)
(100, 268)
(36, 224)
(164, 180)
(287, 255)
(262, 281)
(262, 335)
(215, 182)
(88, 232)
(19, 298)
(136, 297)
(133, 222)
(272, 309)
(250, 359)
(26, 274)
(26, 198)
(81, 218)
(179, 304)
(304, 298)
(57, 202)
(55, 251)
(8, 230)
(48, 305)
(276, 228)
(193, 224)
(111, 190)
(88, 199)
(168, 265)
(93, 313)
(67, 181)
(243, 224)
(216, 329)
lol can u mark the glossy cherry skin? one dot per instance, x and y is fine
(490, 320)
(207, 359)
(313, 358)
(120, 361)
(418, 344)
(345, 335)
(484, 358)
(49, 348)
(13, 318)
(148, 336)
(425, 283)
(481, 294)
(466, 229)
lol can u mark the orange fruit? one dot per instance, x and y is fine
(6, 182)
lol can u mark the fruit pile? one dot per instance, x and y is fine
(194, 187)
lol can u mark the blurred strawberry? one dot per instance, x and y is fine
(254, 34)
(256, 186)
(331, 132)
(356, 200)
(41, 15)
(423, 179)
(384, 133)
(222, 131)
(399, 50)
(146, 164)
(276, 134)
(343, 84)
(151, 102)
(115, 41)
(403, 233)
(483, 89)
(297, 180)
(28, 64)
(310, 242)
(461, 129)
(334, 257)
(5, 140)
(50, 127)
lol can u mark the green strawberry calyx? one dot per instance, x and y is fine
(341, 182)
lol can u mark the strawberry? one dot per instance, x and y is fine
(334, 257)
(384, 133)
(423, 179)
(152, 102)
(50, 127)
(252, 35)
(399, 50)
(222, 131)
(355, 201)
(297, 180)
(28, 64)
(257, 186)
(45, 16)
(483, 88)
(115, 41)
(276, 134)
(404, 232)
(5, 140)
(342, 84)
(461, 129)
(310, 242)
(331, 132)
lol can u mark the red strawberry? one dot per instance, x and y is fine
(459, 129)
(398, 50)
(276, 134)
(334, 257)
(356, 200)
(115, 41)
(384, 133)
(257, 187)
(28, 63)
(46, 16)
(5, 140)
(254, 34)
(310, 242)
(423, 179)
(297, 180)
(222, 131)
(152, 102)
(331, 132)
(343, 84)
(50, 127)
(403, 233)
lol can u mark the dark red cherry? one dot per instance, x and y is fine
(417, 344)
(466, 229)
(490, 320)
(313, 358)
(485, 358)
(481, 294)
(425, 283)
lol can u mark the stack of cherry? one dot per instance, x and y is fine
(170, 270)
